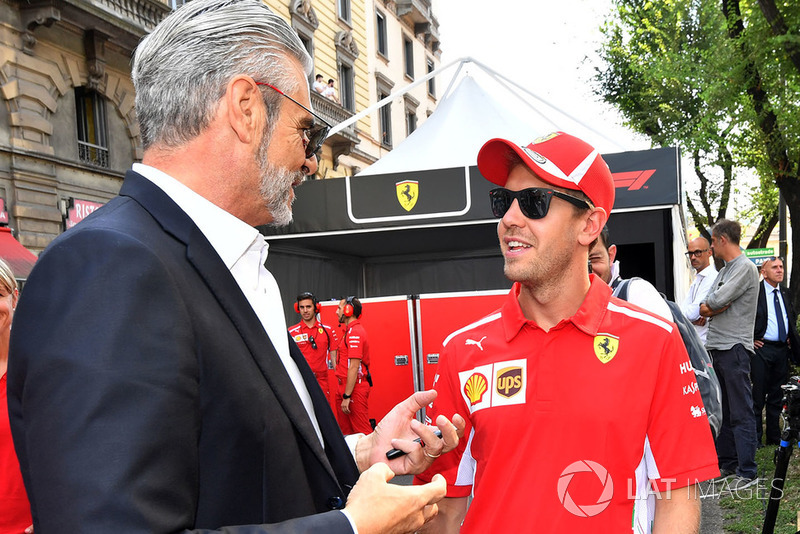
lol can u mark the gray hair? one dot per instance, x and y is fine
(181, 70)
(731, 230)
(7, 281)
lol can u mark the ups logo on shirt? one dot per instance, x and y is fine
(509, 381)
(493, 385)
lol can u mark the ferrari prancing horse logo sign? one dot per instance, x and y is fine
(605, 347)
(407, 193)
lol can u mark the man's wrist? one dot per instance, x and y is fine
(362, 452)
(346, 396)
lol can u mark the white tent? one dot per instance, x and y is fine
(476, 107)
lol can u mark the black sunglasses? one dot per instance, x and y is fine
(534, 202)
(313, 343)
(317, 133)
(695, 252)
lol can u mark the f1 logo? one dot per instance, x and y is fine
(632, 180)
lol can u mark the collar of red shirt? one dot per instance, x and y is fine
(587, 318)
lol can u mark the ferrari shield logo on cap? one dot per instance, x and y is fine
(605, 347)
(407, 193)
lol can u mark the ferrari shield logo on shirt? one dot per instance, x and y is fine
(407, 193)
(495, 384)
(605, 347)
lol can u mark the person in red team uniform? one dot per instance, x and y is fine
(352, 371)
(15, 511)
(316, 341)
(579, 405)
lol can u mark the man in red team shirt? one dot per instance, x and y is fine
(316, 341)
(579, 406)
(352, 371)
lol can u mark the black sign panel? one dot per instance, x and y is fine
(645, 178)
(455, 195)
(393, 198)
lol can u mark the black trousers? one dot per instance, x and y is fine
(736, 442)
(769, 370)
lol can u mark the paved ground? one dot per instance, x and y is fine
(711, 514)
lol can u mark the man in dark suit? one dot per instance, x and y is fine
(775, 339)
(154, 387)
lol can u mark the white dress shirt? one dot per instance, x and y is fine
(696, 295)
(243, 250)
(771, 334)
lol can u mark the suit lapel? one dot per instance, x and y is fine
(209, 265)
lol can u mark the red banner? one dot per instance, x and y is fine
(78, 210)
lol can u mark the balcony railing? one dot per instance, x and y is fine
(414, 11)
(93, 154)
(145, 14)
(332, 112)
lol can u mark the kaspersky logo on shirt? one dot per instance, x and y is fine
(494, 384)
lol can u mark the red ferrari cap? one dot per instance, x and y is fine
(560, 159)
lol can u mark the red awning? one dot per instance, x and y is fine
(19, 258)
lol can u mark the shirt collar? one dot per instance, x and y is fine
(768, 287)
(587, 319)
(230, 236)
(709, 269)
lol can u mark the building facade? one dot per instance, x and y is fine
(68, 130)
(370, 48)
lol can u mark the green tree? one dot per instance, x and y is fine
(720, 79)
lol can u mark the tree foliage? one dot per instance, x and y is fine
(720, 79)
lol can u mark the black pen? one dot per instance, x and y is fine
(397, 453)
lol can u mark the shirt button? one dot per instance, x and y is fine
(335, 503)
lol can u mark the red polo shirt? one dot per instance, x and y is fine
(317, 358)
(565, 427)
(354, 345)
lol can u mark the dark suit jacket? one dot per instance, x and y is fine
(145, 396)
(761, 319)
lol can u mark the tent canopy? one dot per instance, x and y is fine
(453, 134)
(19, 258)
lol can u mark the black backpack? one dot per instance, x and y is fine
(707, 380)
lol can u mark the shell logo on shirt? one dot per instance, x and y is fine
(299, 338)
(475, 387)
(494, 384)
(605, 347)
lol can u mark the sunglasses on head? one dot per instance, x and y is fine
(534, 202)
(315, 135)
